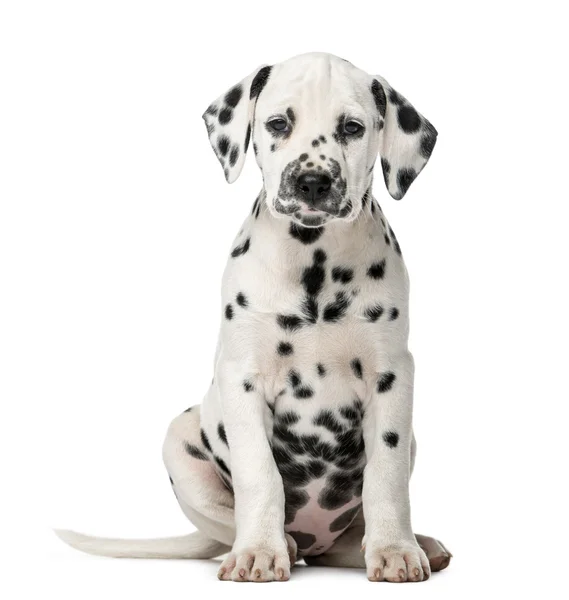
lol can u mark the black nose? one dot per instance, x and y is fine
(314, 186)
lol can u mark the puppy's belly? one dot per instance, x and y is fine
(319, 450)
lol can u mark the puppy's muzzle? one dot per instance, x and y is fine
(314, 188)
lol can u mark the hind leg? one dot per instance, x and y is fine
(204, 497)
(347, 550)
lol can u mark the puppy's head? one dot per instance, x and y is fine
(317, 124)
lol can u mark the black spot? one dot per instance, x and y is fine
(377, 270)
(255, 204)
(405, 178)
(255, 149)
(248, 386)
(289, 322)
(310, 165)
(171, 480)
(234, 155)
(310, 309)
(357, 368)
(306, 235)
(351, 413)
(393, 313)
(322, 139)
(294, 499)
(325, 418)
(321, 370)
(395, 242)
(386, 168)
(195, 452)
(395, 97)
(322, 157)
(294, 473)
(205, 440)
(322, 450)
(273, 147)
(189, 409)
(316, 468)
(428, 140)
(336, 310)
(225, 116)
(288, 418)
(342, 274)
(221, 464)
(372, 313)
(284, 349)
(386, 238)
(233, 96)
(223, 145)
(408, 118)
(339, 134)
(247, 138)
(241, 299)
(385, 382)
(391, 438)
(221, 433)
(315, 143)
(294, 378)
(229, 312)
(281, 456)
(303, 392)
(313, 278)
(303, 157)
(290, 114)
(243, 249)
(259, 81)
(341, 522)
(303, 540)
(379, 96)
(337, 493)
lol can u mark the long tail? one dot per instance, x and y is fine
(195, 545)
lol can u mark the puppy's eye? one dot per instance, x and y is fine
(353, 127)
(278, 124)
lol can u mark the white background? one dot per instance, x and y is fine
(115, 225)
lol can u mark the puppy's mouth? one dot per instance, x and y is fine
(309, 216)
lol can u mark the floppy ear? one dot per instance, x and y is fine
(229, 120)
(406, 138)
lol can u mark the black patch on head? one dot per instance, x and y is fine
(248, 386)
(284, 349)
(289, 322)
(393, 313)
(223, 145)
(273, 147)
(303, 540)
(205, 440)
(310, 165)
(322, 139)
(234, 155)
(259, 81)
(340, 523)
(408, 118)
(195, 451)
(241, 299)
(405, 178)
(294, 378)
(303, 157)
(385, 382)
(372, 313)
(290, 114)
(222, 435)
(357, 368)
(321, 370)
(242, 249)
(334, 311)
(391, 438)
(315, 143)
(379, 96)
(339, 134)
(221, 464)
(225, 115)
(377, 270)
(342, 274)
(306, 235)
(322, 157)
(247, 138)
(294, 500)
(234, 95)
(229, 312)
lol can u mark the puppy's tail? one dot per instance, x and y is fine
(194, 545)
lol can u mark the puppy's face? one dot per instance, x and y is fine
(316, 131)
(318, 124)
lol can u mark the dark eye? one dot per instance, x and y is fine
(278, 124)
(352, 127)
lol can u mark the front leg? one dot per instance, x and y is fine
(259, 552)
(391, 550)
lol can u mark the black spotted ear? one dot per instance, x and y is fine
(229, 120)
(406, 139)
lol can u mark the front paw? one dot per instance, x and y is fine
(258, 563)
(396, 563)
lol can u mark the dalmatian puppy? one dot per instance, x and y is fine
(303, 445)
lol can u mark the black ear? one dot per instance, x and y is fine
(407, 138)
(229, 120)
